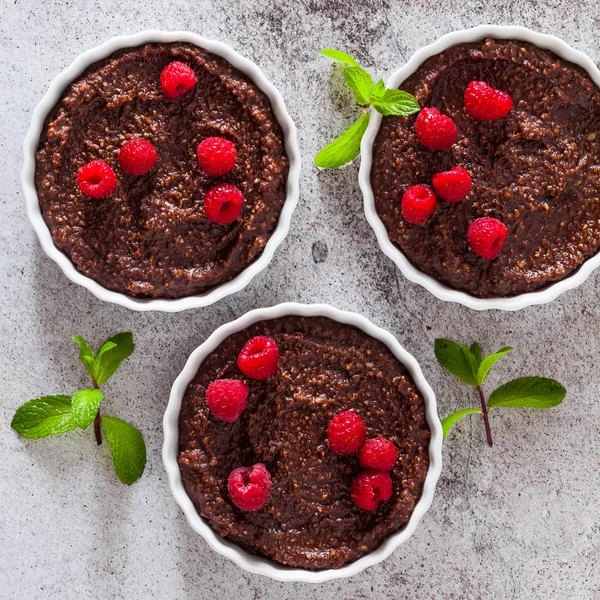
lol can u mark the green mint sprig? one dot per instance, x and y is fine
(468, 364)
(51, 415)
(346, 148)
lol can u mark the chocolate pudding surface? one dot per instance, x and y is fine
(310, 520)
(537, 170)
(150, 238)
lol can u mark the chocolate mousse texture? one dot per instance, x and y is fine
(150, 238)
(310, 520)
(537, 170)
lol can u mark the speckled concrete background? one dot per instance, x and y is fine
(519, 521)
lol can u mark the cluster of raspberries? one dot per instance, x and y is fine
(435, 131)
(216, 155)
(347, 434)
(250, 487)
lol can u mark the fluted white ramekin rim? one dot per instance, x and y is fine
(52, 96)
(438, 289)
(170, 452)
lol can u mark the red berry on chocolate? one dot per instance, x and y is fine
(378, 453)
(487, 236)
(485, 103)
(97, 179)
(259, 358)
(223, 203)
(137, 157)
(418, 203)
(371, 487)
(434, 130)
(346, 432)
(177, 79)
(249, 487)
(227, 399)
(452, 185)
(216, 156)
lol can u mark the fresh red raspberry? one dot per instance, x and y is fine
(223, 203)
(378, 453)
(137, 157)
(370, 487)
(97, 179)
(452, 185)
(346, 432)
(216, 156)
(418, 203)
(259, 358)
(487, 236)
(434, 130)
(177, 79)
(249, 487)
(227, 398)
(485, 103)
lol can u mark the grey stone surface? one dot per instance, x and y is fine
(518, 521)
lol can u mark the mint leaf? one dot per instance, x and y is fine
(85, 405)
(476, 352)
(454, 417)
(395, 102)
(345, 148)
(86, 355)
(360, 82)
(486, 364)
(44, 416)
(377, 91)
(528, 392)
(106, 347)
(127, 448)
(340, 56)
(111, 355)
(457, 359)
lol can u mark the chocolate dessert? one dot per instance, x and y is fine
(535, 170)
(310, 520)
(150, 236)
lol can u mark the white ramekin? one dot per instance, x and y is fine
(30, 145)
(256, 564)
(438, 289)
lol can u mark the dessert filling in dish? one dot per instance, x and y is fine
(132, 195)
(314, 462)
(530, 214)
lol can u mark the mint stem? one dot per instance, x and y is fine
(97, 431)
(486, 420)
(97, 428)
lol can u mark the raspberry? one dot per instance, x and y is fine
(452, 185)
(346, 432)
(177, 79)
(378, 453)
(487, 236)
(227, 398)
(259, 358)
(249, 487)
(434, 130)
(223, 203)
(485, 103)
(137, 157)
(97, 179)
(370, 487)
(216, 156)
(418, 203)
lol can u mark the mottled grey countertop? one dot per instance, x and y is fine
(521, 520)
